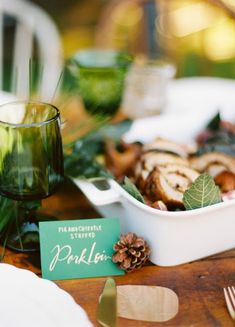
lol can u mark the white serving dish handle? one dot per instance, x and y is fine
(96, 196)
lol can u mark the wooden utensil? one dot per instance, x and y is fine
(147, 303)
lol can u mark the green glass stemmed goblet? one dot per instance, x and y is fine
(31, 165)
(101, 79)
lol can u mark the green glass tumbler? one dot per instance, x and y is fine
(101, 79)
(31, 163)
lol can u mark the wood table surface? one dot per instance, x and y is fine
(199, 284)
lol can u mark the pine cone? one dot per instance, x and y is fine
(131, 253)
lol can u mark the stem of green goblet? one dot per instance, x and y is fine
(27, 210)
(24, 231)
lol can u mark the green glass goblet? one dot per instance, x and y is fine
(31, 165)
(101, 75)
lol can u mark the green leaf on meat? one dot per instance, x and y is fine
(132, 189)
(202, 193)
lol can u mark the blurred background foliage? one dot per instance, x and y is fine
(197, 35)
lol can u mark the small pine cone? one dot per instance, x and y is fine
(131, 252)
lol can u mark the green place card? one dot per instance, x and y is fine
(78, 248)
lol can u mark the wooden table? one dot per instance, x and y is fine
(198, 284)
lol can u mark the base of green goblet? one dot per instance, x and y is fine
(24, 238)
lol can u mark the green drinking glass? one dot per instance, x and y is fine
(31, 164)
(101, 76)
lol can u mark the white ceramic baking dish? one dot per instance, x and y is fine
(174, 237)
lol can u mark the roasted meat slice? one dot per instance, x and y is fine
(121, 163)
(151, 160)
(141, 176)
(164, 145)
(215, 169)
(169, 184)
(226, 181)
(208, 162)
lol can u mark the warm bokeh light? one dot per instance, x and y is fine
(230, 2)
(127, 15)
(191, 19)
(76, 39)
(219, 41)
(199, 36)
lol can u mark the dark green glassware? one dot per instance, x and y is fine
(31, 162)
(101, 78)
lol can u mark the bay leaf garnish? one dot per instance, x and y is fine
(132, 189)
(202, 193)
